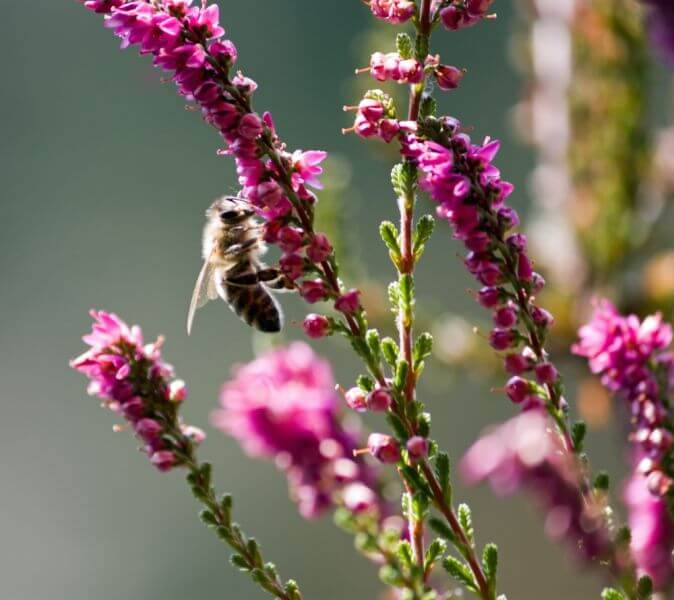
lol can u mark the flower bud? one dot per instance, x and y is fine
(313, 291)
(546, 373)
(502, 339)
(292, 266)
(316, 326)
(148, 429)
(177, 391)
(518, 389)
(379, 400)
(164, 460)
(349, 302)
(356, 399)
(517, 363)
(448, 77)
(384, 448)
(319, 249)
(417, 447)
(506, 316)
(489, 297)
(359, 498)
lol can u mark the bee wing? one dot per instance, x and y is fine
(204, 290)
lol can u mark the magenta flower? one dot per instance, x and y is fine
(652, 530)
(633, 360)
(393, 11)
(525, 453)
(187, 41)
(283, 406)
(661, 22)
(134, 382)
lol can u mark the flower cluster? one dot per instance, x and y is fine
(464, 13)
(662, 27)
(187, 41)
(283, 406)
(393, 11)
(652, 531)
(633, 359)
(461, 177)
(134, 382)
(525, 453)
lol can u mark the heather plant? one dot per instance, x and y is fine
(285, 405)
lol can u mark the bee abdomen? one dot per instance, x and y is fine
(255, 306)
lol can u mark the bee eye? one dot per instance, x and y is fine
(229, 215)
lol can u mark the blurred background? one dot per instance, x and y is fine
(105, 180)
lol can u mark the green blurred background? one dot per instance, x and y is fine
(105, 178)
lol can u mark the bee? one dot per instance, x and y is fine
(232, 246)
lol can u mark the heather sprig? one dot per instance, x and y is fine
(410, 447)
(634, 360)
(133, 381)
(187, 41)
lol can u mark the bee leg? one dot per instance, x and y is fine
(249, 279)
(274, 279)
(237, 249)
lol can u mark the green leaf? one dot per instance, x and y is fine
(602, 481)
(239, 562)
(374, 343)
(466, 520)
(428, 107)
(365, 383)
(424, 424)
(578, 431)
(490, 563)
(254, 551)
(292, 590)
(414, 480)
(442, 472)
(389, 235)
(404, 553)
(460, 571)
(421, 48)
(397, 425)
(390, 350)
(612, 594)
(390, 576)
(645, 588)
(208, 518)
(435, 550)
(402, 369)
(404, 46)
(422, 348)
(394, 296)
(623, 536)
(422, 234)
(442, 529)
(420, 506)
(406, 284)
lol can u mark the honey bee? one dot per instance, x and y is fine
(232, 246)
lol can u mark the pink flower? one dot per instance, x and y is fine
(319, 249)
(314, 291)
(317, 326)
(134, 382)
(384, 448)
(393, 11)
(448, 77)
(283, 406)
(356, 399)
(525, 453)
(632, 358)
(652, 531)
(307, 167)
(349, 302)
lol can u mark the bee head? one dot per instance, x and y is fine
(225, 209)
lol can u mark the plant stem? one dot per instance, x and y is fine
(217, 515)
(406, 269)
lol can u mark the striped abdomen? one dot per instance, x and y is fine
(253, 303)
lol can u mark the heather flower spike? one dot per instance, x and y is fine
(134, 382)
(285, 406)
